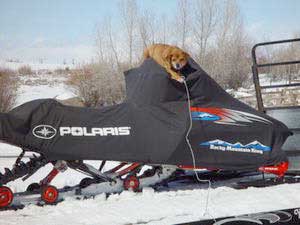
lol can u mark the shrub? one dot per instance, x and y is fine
(25, 70)
(62, 71)
(8, 89)
(98, 84)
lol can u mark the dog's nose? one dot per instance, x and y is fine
(177, 65)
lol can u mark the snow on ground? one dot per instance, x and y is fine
(28, 92)
(43, 86)
(148, 207)
(34, 66)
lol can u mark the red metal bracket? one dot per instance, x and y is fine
(278, 170)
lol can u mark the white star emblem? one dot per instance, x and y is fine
(45, 131)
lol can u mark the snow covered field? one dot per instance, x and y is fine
(148, 207)
(34, 66)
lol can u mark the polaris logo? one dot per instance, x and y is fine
(44, 131)
(95, 131)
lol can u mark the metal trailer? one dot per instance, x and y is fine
(290, 115)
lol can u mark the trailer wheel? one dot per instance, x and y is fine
(6, 196)
(49, 194)
(132, 183)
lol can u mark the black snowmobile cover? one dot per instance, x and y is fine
(151, 124)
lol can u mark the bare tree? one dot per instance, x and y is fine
(106, 44)
(143, 31)
(163, 30)
(212, 29)
(129, 14)
(182, 26)
(114, 58)
(100, 41)
(228, 59)
(147, 28)
(205, 22)
(230, 21)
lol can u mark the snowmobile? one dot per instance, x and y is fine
(169, 126)
(286, 109)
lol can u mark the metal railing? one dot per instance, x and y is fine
(255, 66)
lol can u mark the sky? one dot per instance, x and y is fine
(57, 30)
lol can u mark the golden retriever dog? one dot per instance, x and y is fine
(172, 58)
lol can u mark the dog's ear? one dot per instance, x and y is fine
(167, 55)
(187, 55)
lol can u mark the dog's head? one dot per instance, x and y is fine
(177, 58)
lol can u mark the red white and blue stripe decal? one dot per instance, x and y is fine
(226, 116)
